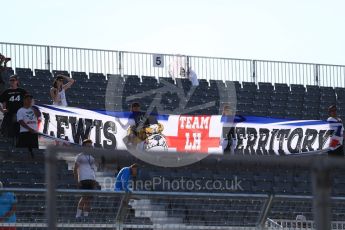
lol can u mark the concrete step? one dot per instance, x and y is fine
(141, 202)
(167, 220)
(150, 214)
(157, 213)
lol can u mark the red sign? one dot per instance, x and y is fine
(193, 135)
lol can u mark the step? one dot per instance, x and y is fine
(177, 226)
(151, 214)
(168, 220)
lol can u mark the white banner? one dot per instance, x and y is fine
(186, 133)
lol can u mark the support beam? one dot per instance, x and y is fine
(265, 209)
(121, 213)
(322, 190)
(51, 180)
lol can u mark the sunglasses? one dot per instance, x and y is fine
(13, 80)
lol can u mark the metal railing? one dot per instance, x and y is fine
(162, 65)
(153, 210)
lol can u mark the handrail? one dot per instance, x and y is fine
(172, 54)
(177, 194)
(106, 61)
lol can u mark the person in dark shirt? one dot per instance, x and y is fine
(3, 67)
(138, 120)
(138, 116)
(11, 100)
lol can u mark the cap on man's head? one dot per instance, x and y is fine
(87, 141)
(332, 108)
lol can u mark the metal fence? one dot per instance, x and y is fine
(156, 210)
(160, 65)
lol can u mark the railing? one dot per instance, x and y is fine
(152, 210)
(163, 65)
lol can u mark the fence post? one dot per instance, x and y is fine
(50, 179)
(48, 58)
(264, 212)
(322, 190)
(317, 74)
(120, 63)
(121, 213)
(253, 71)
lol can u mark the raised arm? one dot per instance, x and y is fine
(54, 95)
(69, 83)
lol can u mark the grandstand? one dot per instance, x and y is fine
(271, 195)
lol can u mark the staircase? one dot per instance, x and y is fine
(157, 214)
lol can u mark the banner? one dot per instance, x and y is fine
(185, 133)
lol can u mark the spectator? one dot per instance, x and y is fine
(3, 67)
(12, 101)
(191, 75)
(27, 116)
(84, 172)
(8, 203)
(124, 177)
(227, 140)
(336, 145)
(58, 91)
(136, 125)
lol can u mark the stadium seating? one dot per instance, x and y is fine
(262, 99)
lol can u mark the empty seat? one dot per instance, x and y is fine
(297, 88)
(279, 96)
(132, 79)
(265, 87)
(23, 71)
(43, 73)
(313, 89)
(327, 91)
(217, 84)
(80, 77)
(149, 81)
(97, 77)
(166, 79)
(203, 83)
(249, 86)
(279, 87)
(233, 84)
(60, 72)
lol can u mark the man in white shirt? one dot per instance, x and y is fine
(27, 117)
(337, 140)
(84, 172)
(191, 75)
